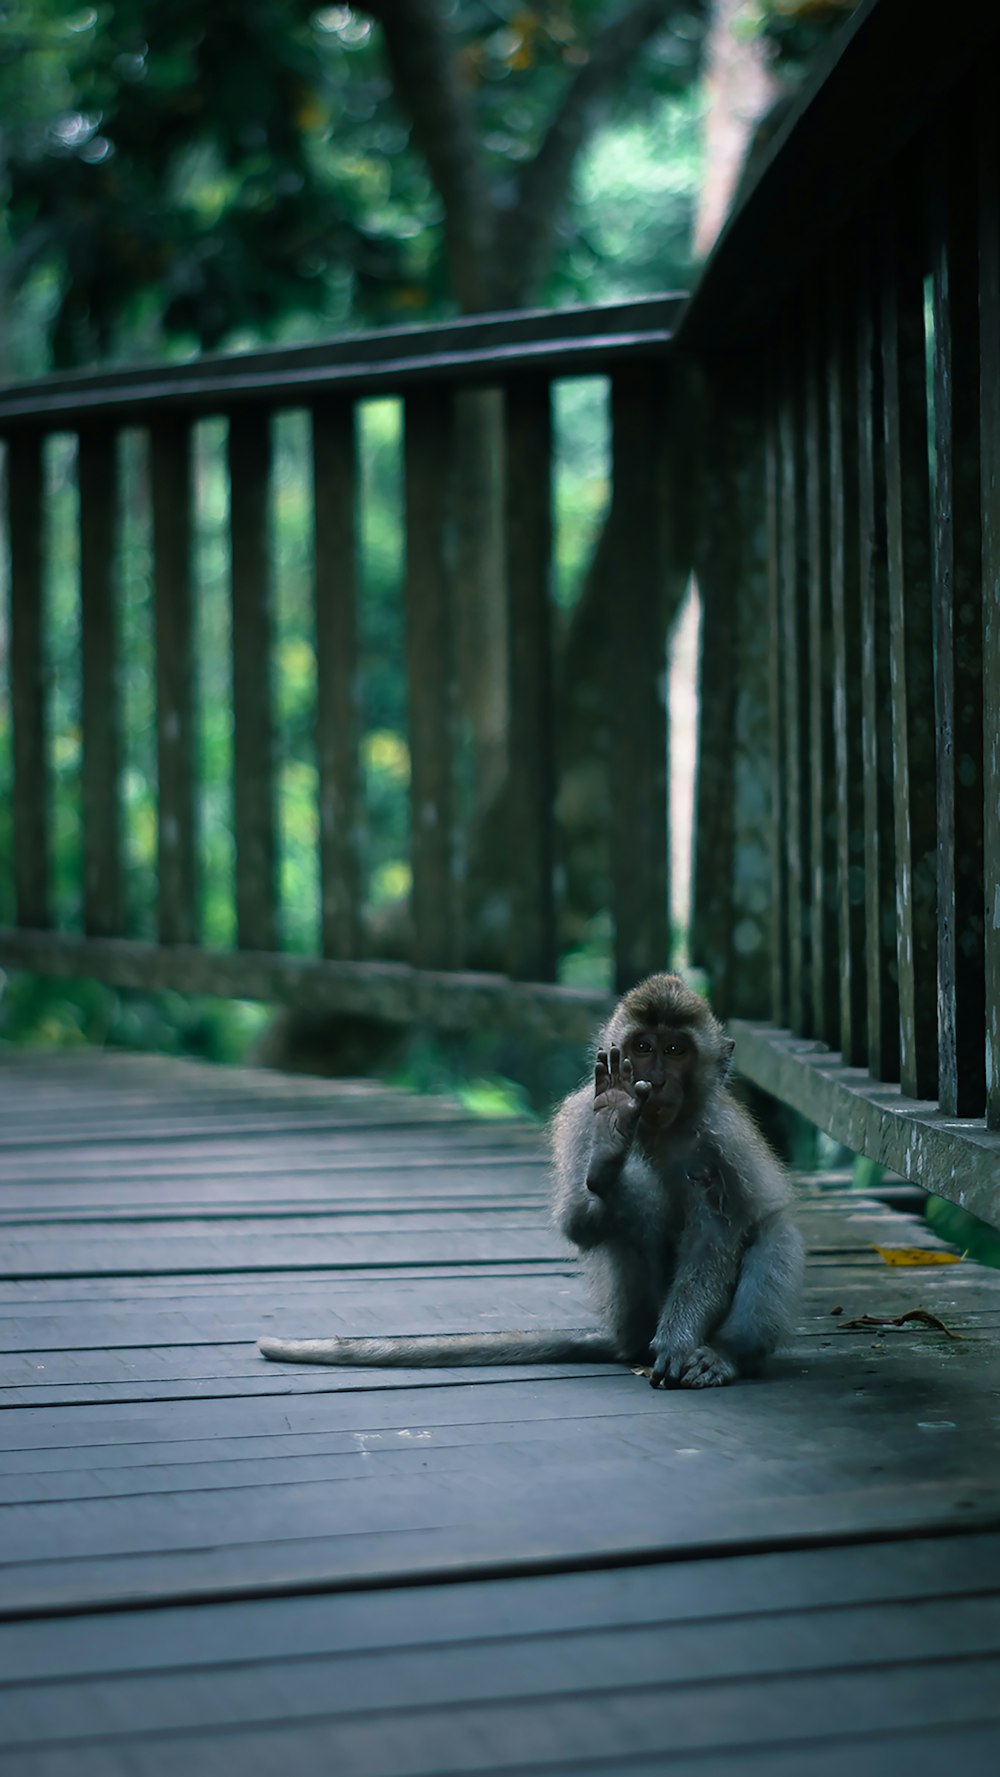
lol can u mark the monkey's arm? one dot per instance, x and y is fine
(592, 1139)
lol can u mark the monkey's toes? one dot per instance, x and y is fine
(705, 1368)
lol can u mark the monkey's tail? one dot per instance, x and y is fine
(435, 1350)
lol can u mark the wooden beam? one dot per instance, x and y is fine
(394, 991)
(957, 1160)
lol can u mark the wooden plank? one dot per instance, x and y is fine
(515, 1667)
(249, 451)
(419, 1744)
(882, 992)
(177, 861)
(639, 837)
(825, 961)
(904, 371)
(795, 675)
(338, 680)
(696, 1594)
(989, 400)
(28, 692)
(97, 474)
(958, 617)
(431, 683)
(531, 769)
(845, 602)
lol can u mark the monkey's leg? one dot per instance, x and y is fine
(766, 1296)
(696, 1302)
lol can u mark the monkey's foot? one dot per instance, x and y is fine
(700, 1368)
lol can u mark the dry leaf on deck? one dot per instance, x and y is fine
(923, 1315)
(916, 1255)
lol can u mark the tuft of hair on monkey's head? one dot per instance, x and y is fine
(668, 1000)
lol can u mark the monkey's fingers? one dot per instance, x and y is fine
(642, 1090)
(602, 1073)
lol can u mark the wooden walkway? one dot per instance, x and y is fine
(213, 1564)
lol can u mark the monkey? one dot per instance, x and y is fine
(679, 1210)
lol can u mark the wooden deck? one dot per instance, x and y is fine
(213, 1564)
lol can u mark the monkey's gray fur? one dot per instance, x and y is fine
(677, 1205)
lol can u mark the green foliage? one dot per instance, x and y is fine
(972, 1236)
(39, 1013)
(180, 176)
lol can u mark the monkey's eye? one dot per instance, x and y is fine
(643, 1046)
(677, 1046)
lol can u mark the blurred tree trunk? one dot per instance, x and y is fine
(499, 248)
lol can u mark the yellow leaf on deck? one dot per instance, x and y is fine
(916, 1255)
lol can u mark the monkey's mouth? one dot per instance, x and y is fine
(661, 1107)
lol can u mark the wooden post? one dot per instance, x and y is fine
(253, 725)
(823, 931)
(338, 689)
(989, 388)
(882, 993)
(958, 619)
(103, 910)
(531, 742)
(776, 703)
(170, 464)
(32, 786)
(795, 673)
(637, 641)
(431, 681)
(904, 372)
(845, 602)
(733, 892)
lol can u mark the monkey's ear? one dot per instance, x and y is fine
(726, 1048)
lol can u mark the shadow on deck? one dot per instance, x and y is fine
(211, 1563)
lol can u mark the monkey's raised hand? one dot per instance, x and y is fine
(618, 1102)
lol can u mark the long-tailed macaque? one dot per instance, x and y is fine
(678, 1207)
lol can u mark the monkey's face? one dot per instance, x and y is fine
(665, 1057)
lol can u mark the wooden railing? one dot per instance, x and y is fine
(344, 969)
(850, 325)
(845, 342)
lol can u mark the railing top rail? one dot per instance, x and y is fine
(883, 78)
(477, 349)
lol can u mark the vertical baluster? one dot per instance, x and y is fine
(876, 728)
(101, 715)
(989, 387)
(531, 745)
(958, 619)
(733, 895)
(912, 685)
(824, 935)
(795, 675)
(846, 639)
(32, 787)
(253, 722)
(431, 681)
(779, 742)
(338, 690)
(177, 861)
(639, 857)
